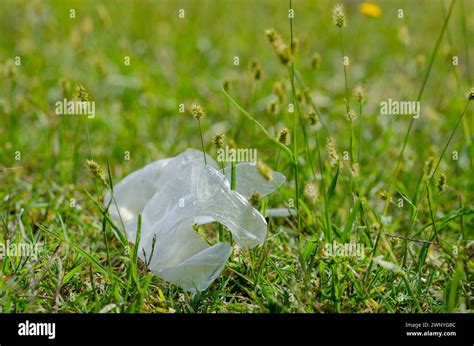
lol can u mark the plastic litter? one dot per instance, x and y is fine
(248, 180)
(281, 212)
(174, 193)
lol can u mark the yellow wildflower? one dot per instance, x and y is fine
(370, 9)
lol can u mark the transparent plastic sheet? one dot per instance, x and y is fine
(173, 194)
(249, 180)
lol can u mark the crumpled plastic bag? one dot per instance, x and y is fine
(174, 193)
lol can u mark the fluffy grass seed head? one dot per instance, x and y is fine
(264, 171)
(429, 166)
(279, 46)
(272, 106)
(81, 93)
(272, 35)
(470, 95)
(332, 152)
(370, 9)
(197, 111)
(311, 192)
(313, 118)
(359, 93)
(301, 96)
(355, 169)
(218, 140)
(96, 171)
(283, 136)
(255, 199)
(256, 70)
(279, 90)
(441, 182)
(339, 16)
(351, 115)
(383, 195)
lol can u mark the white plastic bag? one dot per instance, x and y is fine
(173, 194)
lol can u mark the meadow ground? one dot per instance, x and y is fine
(385, 220)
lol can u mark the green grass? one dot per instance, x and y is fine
(392, 206)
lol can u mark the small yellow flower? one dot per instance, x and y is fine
(370, 9)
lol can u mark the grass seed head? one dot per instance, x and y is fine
(351, 115)
(96, 171)
(355, 169)
(471, 94)
(255, 199)
(272, 35)
(279, 46)
(256, 70)
(313, 118)
(383, 195)
(359, 93)
(218, 140)
(311, 192)
(264, 171)
(273, 106)
(441, 182)
(338, 16)
(332, 152)
(429, 166)
(301, 96)
(283, 136)
(197, 111)
(279, 90)
(81, 93)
